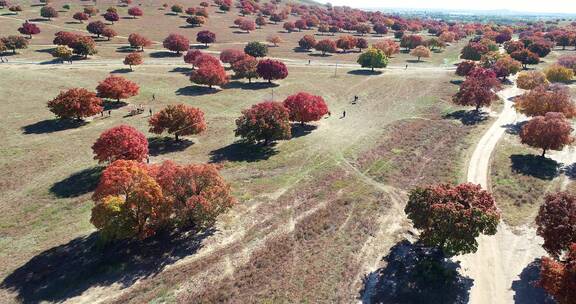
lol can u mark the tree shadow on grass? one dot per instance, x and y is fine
(78, 183)
(570, 171)
(164, 54)
(121, 71)
(364, 72)
(196, 91)
(52, 61)
(47, 50)
(164, 145)
(52, 125)
(467, 117)
(68, 270)
(113, 105)
(250, 86)
(199, 46)
(182, 70)
(416, 274)
(301, 50)
(319, 55)
(242, 151)
(126, 49)
(525, 289)
(514, 128)
(299, 130)
(535, 166)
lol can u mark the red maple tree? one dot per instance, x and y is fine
(116, 87)
(121, 142)
(176, 43)
(267, 121)
(29, 29)
(556, 223)
(304, 107)
(139, 41)
(478, 89)
(549, 132)
(209, 74)
(75, 103)
(270, 69)
(558, 278)
(179, 120)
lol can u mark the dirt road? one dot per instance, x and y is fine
(502, 257)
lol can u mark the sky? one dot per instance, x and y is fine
(549, 6)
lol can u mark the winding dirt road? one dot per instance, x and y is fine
(502, 257)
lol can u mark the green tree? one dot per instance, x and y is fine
(256, 49)
(373, 58)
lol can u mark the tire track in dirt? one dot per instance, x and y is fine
(502, 257)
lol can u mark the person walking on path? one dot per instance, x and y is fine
(150, 111)
(406, 67)
(153, 97)
(344, 114)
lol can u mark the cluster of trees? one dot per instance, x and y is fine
(134, 200)
(79, 103)
(548, 106)
(70, 43)
(99, 29)
(556, 223)
(270, 121)
(126, 143)
(13, 42)
(138, 41)
(503, 65)
(210, 72)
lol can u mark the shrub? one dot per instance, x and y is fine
(558, 73)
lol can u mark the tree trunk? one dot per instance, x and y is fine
(176, 135)
(131, 68)
(269, 80)
(543, 152)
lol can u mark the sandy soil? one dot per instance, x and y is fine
(502, 257)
